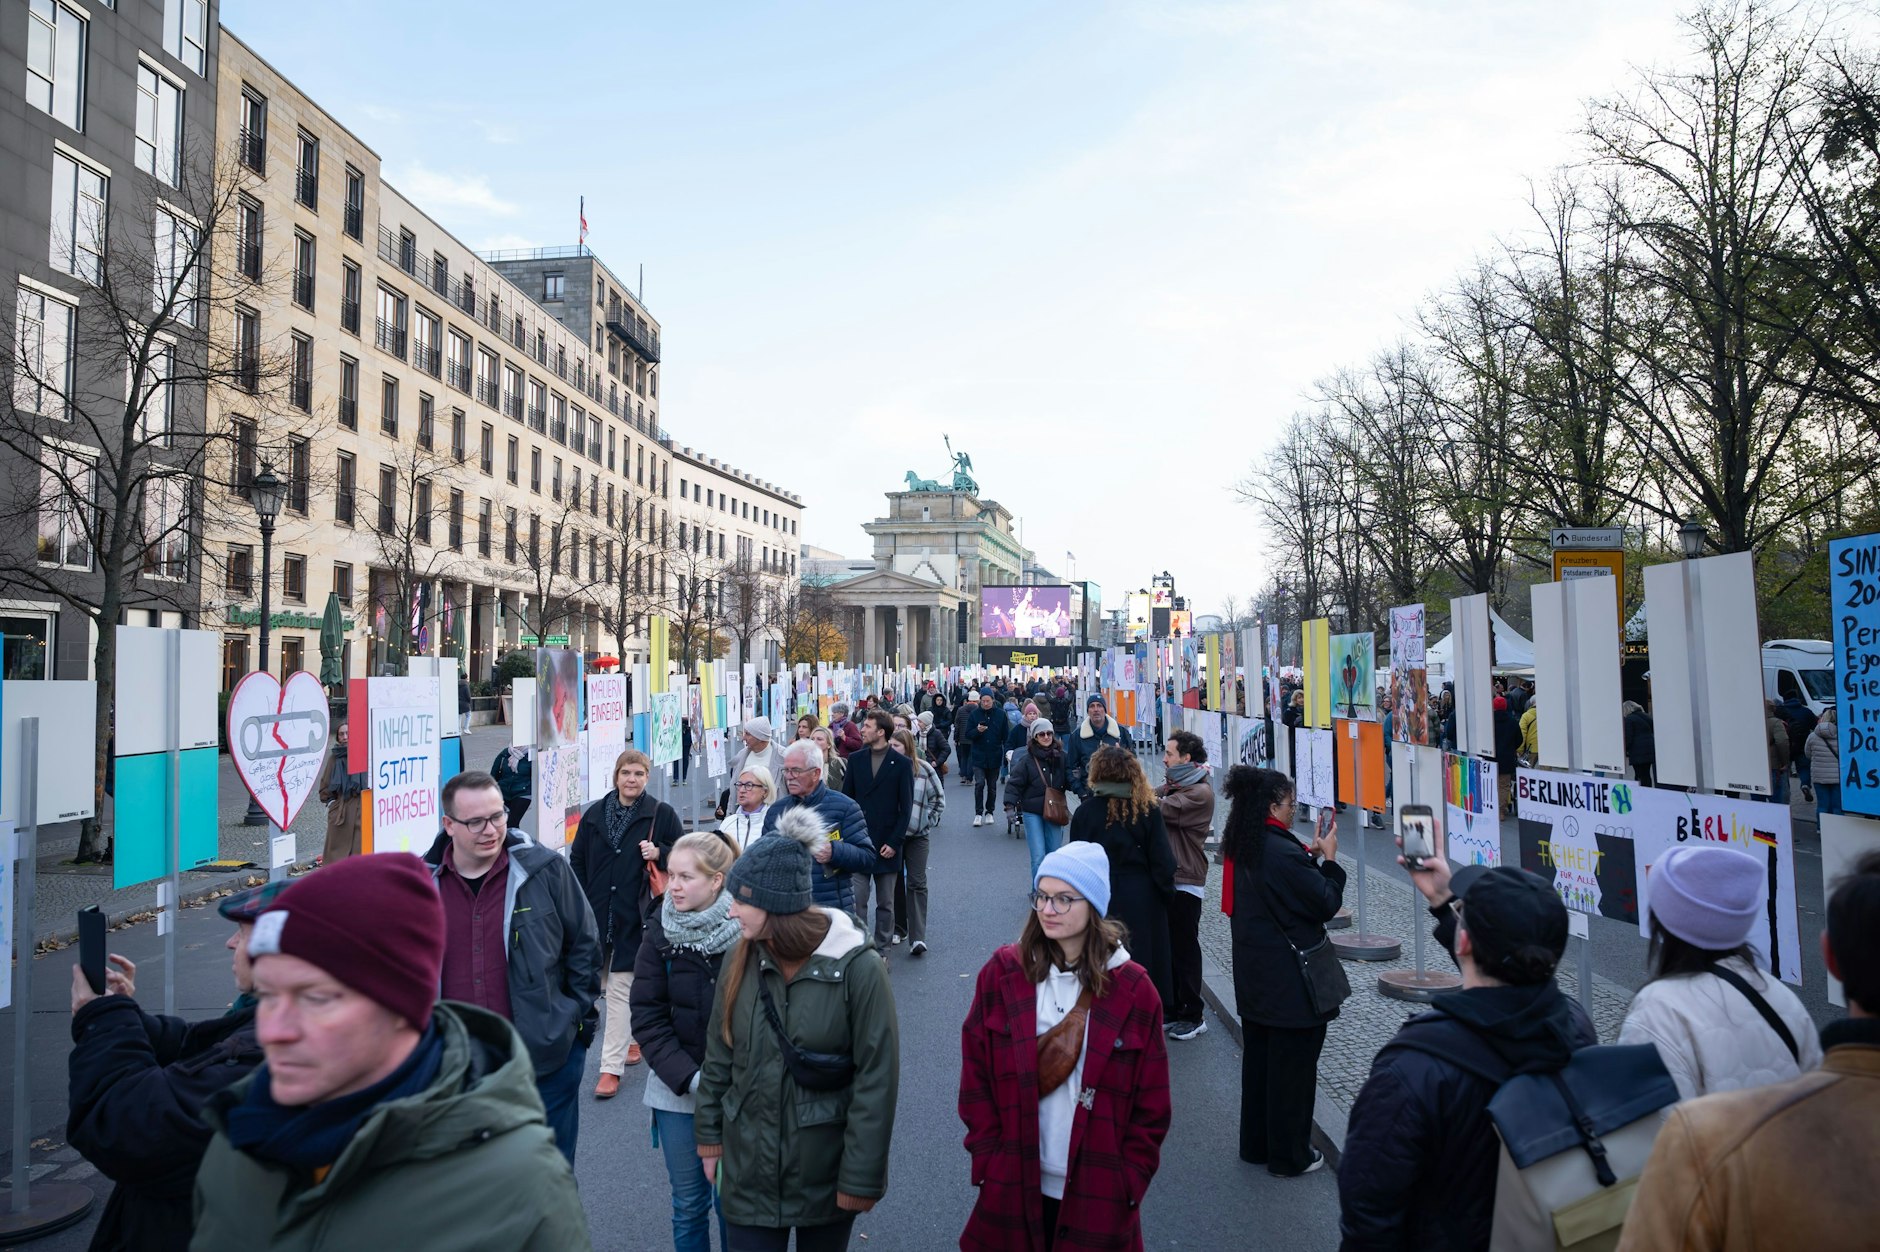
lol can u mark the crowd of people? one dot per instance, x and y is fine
(368, 1084)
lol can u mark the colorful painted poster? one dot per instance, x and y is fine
(1854, 582)
(405, 763)
(1315, 650)
(1471, 810)
(1315, 756)
(557, 698)
(1230, 675)
(1586, 834)
(715, 753)
(668, 708)
(606, 732)
(1360, 763)
(1409, 676)
(1250, 741)
(1354, 676)
(1764, 831)
(1212, 644)
(1272, 673)
(277, 739)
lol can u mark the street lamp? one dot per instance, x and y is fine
(1691, 538)
(267, 492)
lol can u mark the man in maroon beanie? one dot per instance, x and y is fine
(379, 1111)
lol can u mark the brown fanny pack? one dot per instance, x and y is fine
(1060, 1047)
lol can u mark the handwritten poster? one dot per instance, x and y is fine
(1854, 591)
(1250, 741)
(1471, 810)
(1314, 754)
(560, 789)
(1409, 676)
(277, 737)
(606, 732)
(715, 753)
(1587, 833)
(668, 707)
(406, 763)
(1763, 830)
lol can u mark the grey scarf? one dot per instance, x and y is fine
(618, 817)
(1182, 775)
(709, 930)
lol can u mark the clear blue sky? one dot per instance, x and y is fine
(1105, 246)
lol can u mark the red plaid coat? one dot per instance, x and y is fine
(1116, 1138)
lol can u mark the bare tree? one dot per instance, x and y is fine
(1289, 491)
(636, 587)
(417, 524)
(806, 618)
(744, 605)
(560, 562)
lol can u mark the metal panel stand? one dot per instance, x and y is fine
(1359, 943)
(1420, 984)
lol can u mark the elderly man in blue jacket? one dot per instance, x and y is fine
(1098, 730)
(850, 850)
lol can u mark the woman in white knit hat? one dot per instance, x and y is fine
(1720, 1021)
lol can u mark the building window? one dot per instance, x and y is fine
(554, 481)
(487, 389)
(247, 349)
(176, 268)
(458, 452)
(343, 583)
(509, 536)
(299, 474)
(252, 143)
(552, 287)
(65, 511)
(303, 270)
(422, 507)
(166, 526)
(512, 391)
(391, 322)
(42, 377)
(388, 499)
(159, 124)
(155, 425)
(307, 170)
(242, 471)
(538, 406)
(55, 61)
(457, 361)
(355, 224)
(535, 540)
(248, 239)
(407, 251)
(294, 578)
(427, 422)
(293, 654)
(80, 195)
(350, 286)
(238, 574)
(425, 352)
(388, 405)
(345, 488)
(558, 420)
(483, 529)
(535, 470)
(513, 456)
(455, 520)
(349, 393)
(300, 373)
(486, 449)
(186, 32)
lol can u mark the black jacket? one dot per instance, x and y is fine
(984, 740)
(517, 783)
(1084, 743)
(886, 800)
(1142, 882)
(1280, 895)
(1420, 1154)
(1507, 743)
(616, 884)
(138, 1083)
(554, 950)
(939, 746)
(1025, 783)
(1641, 748)
(672, 1003)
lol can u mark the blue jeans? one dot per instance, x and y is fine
(1041, 837)
(1778, 786)
(1827, 798)
(559, 1092)
(693, 1199)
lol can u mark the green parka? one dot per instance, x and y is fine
(467, 1164)
(787, 1151)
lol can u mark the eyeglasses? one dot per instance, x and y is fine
(489, 821)
(1055, 904)
(797, 771)
(753, 786)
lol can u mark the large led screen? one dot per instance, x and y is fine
(1025, 612)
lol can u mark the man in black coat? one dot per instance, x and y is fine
(1421, 1155)
(138, 1083)
(619, 835)
(881, 781)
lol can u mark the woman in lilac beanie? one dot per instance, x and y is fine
(1720, 1021)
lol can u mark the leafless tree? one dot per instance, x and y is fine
(417, 526)
(806, 619)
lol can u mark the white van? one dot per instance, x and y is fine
(1799, 665)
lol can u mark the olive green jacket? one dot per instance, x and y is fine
(787, 1151)
(467, 1164)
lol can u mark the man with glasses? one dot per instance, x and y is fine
(850, 850)
(519, 940)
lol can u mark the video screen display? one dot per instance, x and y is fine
(1025, 612)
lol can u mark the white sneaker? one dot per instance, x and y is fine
(979, 819)
(919, 948)
(1187, 1030)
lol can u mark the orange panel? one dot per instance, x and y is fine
(1370, 746)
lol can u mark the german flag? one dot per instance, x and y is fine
(1763, 837)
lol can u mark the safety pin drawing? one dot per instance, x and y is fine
(262, 723)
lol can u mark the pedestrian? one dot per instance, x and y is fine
(930, 802)
(619, 848)
(1015, 737)
(1283, 896)
(834, 766)
(381, 1118)
(881, 782)
(1531, 731)
(1801, 720)
(1064, 1085)
(543, 976)
(804, 725)
(1641, 749)
(1707, 1006)
(936, 746)
(463, 704)
(757, 750)
(985, 737)
(1824, 763)
(848, 850)
(1422, 1114)
(1098, 730)
(796, 1096)
(1507, 752)
(1035, 773)
(1776, 739)
(1123, 817)
(756, 791)
(963, 719)
(1790, 1164)
(138, 1083)
(844, 735)
(675, 977)
(1186, 798)
(343, 793)
(514, 771)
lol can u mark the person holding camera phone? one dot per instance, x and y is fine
(795, 1099)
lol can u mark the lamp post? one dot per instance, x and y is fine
(1691, 537)
(267, 492)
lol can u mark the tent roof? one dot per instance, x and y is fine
(1512, 652)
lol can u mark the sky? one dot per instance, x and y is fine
(1106, 247)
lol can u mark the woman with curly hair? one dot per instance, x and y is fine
(1122, 817)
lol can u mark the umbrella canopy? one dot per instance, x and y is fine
(332, 640)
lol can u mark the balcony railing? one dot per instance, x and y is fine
(512, 405)
(390, 338)
(467, 296)
(493, 315)
(303, 290)
(518, 337)
(408, 255)
(349, 412)
(488, 393)
(646, 343)
(560, 431)
(538, 419)
(251, 149)
(440, 278)
(457, 374)
(356, 220)
(388, 245)
(426, 358)
(307, 188)
(349, 316)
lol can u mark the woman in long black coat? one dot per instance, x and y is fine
(1122, 815)
(1283, 894)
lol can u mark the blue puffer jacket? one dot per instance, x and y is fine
(851, 851)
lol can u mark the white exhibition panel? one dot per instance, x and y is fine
(522, 713)
(1475, 691)
(1706, 668)
(444, 669)
(1417, 778)
(143, 675)
(1576, 672)
(68, 719)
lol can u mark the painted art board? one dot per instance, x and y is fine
(1315, 650)
(1360, 750)
(1471, 809)
(1592, 836)
(67, 713)
(143, 668)
(1706, 659)
(1315, 763)
(1354, 675)
(1576, 663)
